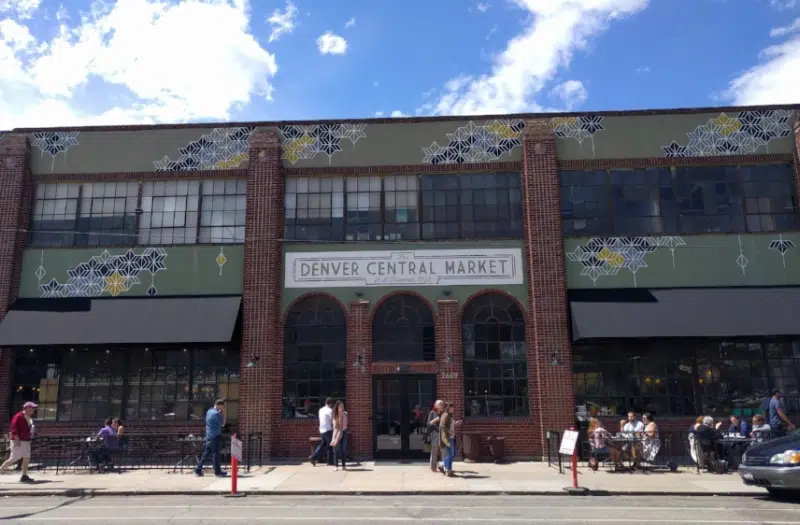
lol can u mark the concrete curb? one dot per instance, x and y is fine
(77, 493)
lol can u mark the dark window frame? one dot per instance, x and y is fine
(71, 237)
(493, 341)
(315, 330)
(742, 211)
(419, 229)
(120, 362)
(702, 361)
(403, 330)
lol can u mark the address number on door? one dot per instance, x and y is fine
(449, 375)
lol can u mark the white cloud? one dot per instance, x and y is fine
(157, 54)
(282, 22)
(379, 113)
(23, 9)
(482, 7)
(777, 32)
(774, 79)
(397, 114)
(783, 4)
(571, 94)
(557, 28)
(331, 44)
(350, 23)
(643, 69)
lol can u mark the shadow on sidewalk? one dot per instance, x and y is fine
(49, 509)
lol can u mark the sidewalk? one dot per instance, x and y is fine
(383, 478)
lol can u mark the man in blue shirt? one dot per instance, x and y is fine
(738, 426)
(215, 420)
(778, 421)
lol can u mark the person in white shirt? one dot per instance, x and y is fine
(633, 429)
(325, 433)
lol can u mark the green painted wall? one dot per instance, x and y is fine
(432, 293)
(688, 261)
(374, 144)
(169, 270)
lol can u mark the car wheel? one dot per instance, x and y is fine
(783, 494)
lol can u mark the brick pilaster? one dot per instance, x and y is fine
(260, 396)
(547, 334)
(15, 206)
(450, 383)
(359, 379)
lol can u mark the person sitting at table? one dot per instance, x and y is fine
(109, 445)
(707, 437)
(601, 450)
(761, 430)
(651, 442)
(738, 426)
(633, 430)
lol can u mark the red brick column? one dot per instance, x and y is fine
(15, 206)
(260, 395)
(359, 379)
(547, 334)
(450, 380)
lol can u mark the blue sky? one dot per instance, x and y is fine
(76, 62)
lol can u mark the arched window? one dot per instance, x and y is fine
(403, 331)
(314, 355)
(495, 362)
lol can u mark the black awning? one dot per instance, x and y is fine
(687, 312)
(120, 321)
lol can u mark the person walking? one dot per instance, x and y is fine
(215, 420)
(778, 421)
(20, 436)
(339, 439)
(325, 433)
(433, 434)
(447, 437)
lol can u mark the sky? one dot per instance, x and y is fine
(106, 62)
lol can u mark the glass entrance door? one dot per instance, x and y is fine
(400, 412)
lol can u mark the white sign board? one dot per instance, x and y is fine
(568, 442)
(493, 266)
(236, 448)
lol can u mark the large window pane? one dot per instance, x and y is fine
(403, 330)
(440, 218)
(401, 217)
(223, 205)
(491, 205)
(363, 205)
(55, 212)
(315, 350)
(585, 202)
(495, 358)
(36, 378)
(314, 208)
(170, 212)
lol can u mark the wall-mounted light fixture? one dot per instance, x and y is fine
(359, 294)
(447, 293)
(448, 357)
(253, 360)
(555, 360)
(359, 361)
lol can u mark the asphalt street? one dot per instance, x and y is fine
(356, 510)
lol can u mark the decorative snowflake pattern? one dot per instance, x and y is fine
(781, 246)
(222, 149)
(54, 142)
(476, 142)
(107, 274)
(306, 142)
(608, 255)
(738, 135)
(578, 128)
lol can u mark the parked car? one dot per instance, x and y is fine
(774, 465)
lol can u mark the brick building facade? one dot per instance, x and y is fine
(387, 342)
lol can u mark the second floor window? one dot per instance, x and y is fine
(679, 200)
(131, 213)
(404, 207)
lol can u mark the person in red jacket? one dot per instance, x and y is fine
(21, 440)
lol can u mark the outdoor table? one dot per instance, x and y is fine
(191, 448)
(625, 444)
(86, 446)
(730, 445)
